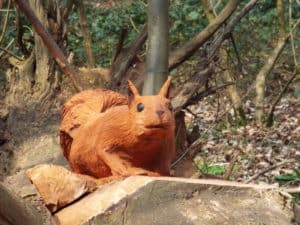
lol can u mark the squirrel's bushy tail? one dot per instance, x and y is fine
(81, 108)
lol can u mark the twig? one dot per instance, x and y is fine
(133, 25)
(20, 33)
(236, 51)
(269, 169)
(207, 92)
(270, 119)
(198, 141)
(230, 26)
(10, 53)
(5, 22)
(68, 9)
(228, 173)
(124, 31)
(7, 47)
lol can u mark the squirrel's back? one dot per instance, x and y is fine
(81, 108)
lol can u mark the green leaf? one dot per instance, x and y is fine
(193, 15)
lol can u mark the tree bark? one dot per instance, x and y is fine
(55, 27)
(125, 58)
(261, 80)
(261, 76)
(157, 52)
(87, 40)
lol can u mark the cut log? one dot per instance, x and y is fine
(145, 200)
(172, 201)
(16, 210)
(58, 186)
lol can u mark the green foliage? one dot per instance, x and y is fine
(205, 168)
(105, 26)
(289, 178)
(186, 19)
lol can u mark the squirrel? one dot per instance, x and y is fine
(105, 134)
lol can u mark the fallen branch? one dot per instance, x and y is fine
(262, 172)
(51, 44)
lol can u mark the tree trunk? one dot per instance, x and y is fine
(37, 78)
(31, 111)
(261, 76)
(261, 80)
(87, 40)
(157, 52)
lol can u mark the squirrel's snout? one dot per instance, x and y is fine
(160, 112)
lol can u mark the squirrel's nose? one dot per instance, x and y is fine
(160, 112)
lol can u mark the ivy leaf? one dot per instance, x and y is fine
(193, 15)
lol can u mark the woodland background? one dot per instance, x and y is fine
(236, 80)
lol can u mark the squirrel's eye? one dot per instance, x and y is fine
(170, 107)
(140, 107)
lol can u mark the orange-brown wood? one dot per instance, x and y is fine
(106, 134)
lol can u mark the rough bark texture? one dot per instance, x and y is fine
(87, 40)
(261, 80)
(125, 59)
(31, 118)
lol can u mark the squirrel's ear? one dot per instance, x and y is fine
(132, 91)
(165, 89)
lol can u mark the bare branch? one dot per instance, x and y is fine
(124, 60)
(230, 27)
(180, 55)
(124, 31)
(51, 44)
(10, 53)
(5, 22)
(262, 172)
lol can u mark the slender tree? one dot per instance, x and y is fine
(261, 76)
(157, 52)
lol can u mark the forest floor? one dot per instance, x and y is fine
(247, 153)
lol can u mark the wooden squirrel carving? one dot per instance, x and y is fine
(105, 134)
